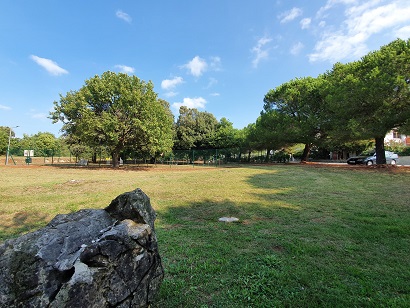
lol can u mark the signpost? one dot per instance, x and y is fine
(28, 154)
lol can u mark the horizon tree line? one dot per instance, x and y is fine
(344, 107)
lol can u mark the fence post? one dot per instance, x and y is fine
(193, 158)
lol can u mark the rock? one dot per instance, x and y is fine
(91, 258)
(228, 219)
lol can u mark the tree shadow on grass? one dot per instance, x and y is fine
(16, 224)
(295, 245)
(211, 262)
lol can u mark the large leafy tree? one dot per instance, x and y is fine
(271, 131)
(46, 144)
(297, 110)
(185, 128)
(226, 136)
(118, 111)
(195, 129)
(7, 134)
(371, 96)
(4, 138)
(248, 139)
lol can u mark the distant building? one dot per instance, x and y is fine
(395, 136)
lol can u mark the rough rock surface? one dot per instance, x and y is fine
(91, 258)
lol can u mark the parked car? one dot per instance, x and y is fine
(369, 158)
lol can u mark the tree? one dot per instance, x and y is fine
(46, 144)
(4, 138)
(252, 140)
(271, 132)
(225, 135)
(371, 96)
(118, 111)
(185, 128)
(298, 110)
(195, 129)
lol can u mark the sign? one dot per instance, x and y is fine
(28, 153)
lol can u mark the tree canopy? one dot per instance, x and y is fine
(116, 111)
(370, 97)
(297, 112)
(4, 138)
(201, 130)
(352, 102)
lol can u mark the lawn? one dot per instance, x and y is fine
(308, 235)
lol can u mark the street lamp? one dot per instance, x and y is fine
(8, 147)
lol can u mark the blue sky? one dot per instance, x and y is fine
(220, 56)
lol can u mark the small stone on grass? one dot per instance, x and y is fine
(228, 219)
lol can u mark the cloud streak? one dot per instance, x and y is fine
(361, 22)
(296, 48)
(124, 16)
(290, 15)
(2, 107)
(260, 51)
(49, 65)
(305, 23)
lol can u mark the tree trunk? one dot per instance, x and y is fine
(115, 159)
(249, 156)
(94, 157)
(380, 154)
(306, 152)
(267, 155)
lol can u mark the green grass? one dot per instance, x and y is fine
(307, 237)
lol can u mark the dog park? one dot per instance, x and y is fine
(307, 235)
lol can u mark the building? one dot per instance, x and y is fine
(396, 137)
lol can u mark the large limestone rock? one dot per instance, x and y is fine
(91, 258)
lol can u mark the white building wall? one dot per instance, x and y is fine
(399, 139)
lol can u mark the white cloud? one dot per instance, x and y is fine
(124, 16)
(215, 63)
(2, 107)
(215, 94)
(171, 94)
(49, 65)
(169, 84)
(197, 66)
(259, 51)
(331, 3)
(212, 82)
(296, 48)
(361, 23)
(125, 69)
(196, 102)
(39, 116)
(290, 15)
(305, 23)
(403, 33)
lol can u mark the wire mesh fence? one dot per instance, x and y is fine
(193, 157)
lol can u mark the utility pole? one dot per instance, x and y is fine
(8, 147)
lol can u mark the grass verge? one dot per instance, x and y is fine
(307, 236)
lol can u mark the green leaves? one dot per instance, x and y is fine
(118, 111)
(201, 130)
(354, 101)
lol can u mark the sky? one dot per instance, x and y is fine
(219, 56)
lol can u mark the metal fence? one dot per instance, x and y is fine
(194, 157)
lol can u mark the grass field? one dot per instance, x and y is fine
(308, 236)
